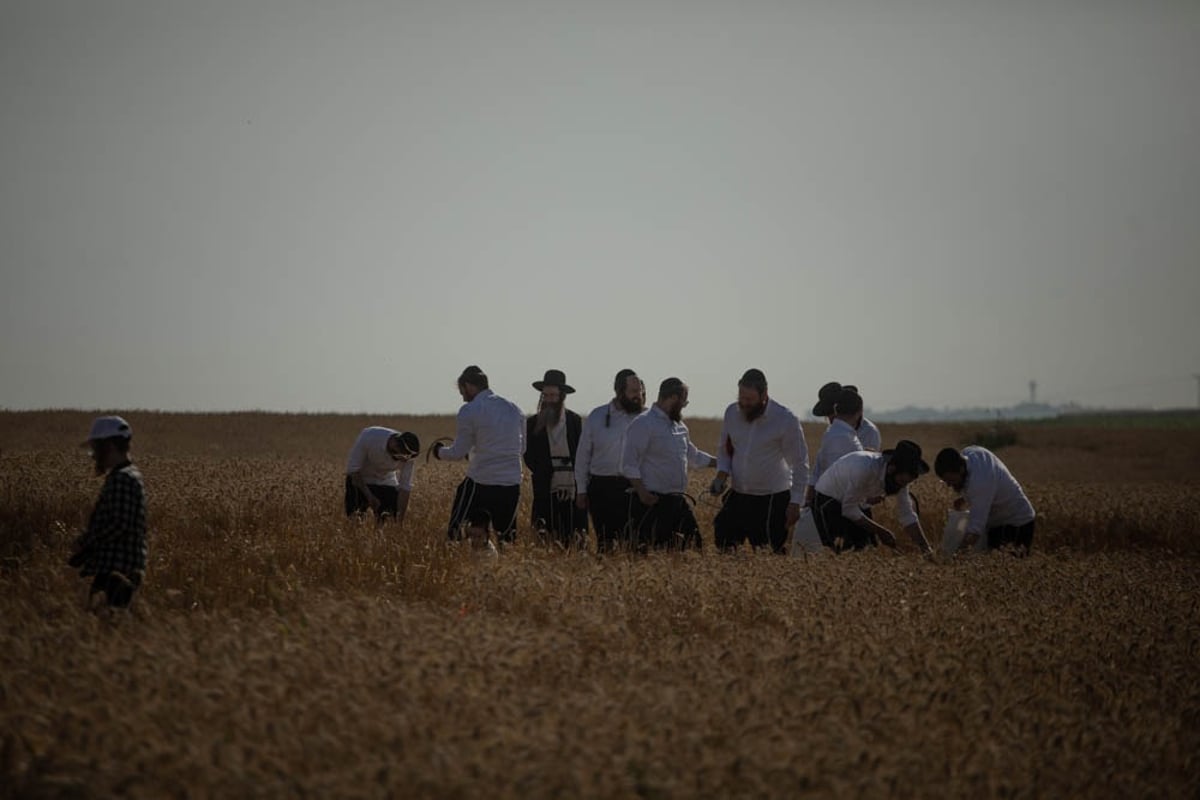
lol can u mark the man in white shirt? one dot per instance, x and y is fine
(601, 487)
(655, 459)
(551, 442)
(379, 472)
(858, 478)
(999, 508)
(491, 430)
(762, 449)
(867, 431)
(843, 408)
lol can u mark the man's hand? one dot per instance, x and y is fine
(437, 450)
(581, 501)
(887, 537)
(959, 503)
(809, 493)
(793, 514)
(718, 484)
(968, 542)
(647, 497)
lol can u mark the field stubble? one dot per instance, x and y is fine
(279, 649)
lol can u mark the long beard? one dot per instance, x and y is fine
(548, 416)
(754, 412)
(676, 414)
(631, 406)
(890, 486)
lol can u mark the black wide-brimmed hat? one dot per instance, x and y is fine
(906, 456)
(554, 377)
(826, 398)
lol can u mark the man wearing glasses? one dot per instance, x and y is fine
(379, 473)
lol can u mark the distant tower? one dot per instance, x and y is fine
(1033, 392)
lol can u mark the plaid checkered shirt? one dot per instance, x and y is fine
(115, 540)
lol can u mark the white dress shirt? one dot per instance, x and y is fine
(839, 439)
(492, 431)
(600, 443)
(859, 476)
(766, 456)
(868, 436)
(993, 494)
(658, 450)
(370, 457)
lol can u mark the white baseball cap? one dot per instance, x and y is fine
(109, 427)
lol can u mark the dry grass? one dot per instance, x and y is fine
(280, 650)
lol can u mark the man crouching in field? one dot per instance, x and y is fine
(860, 478)
(999, 507)
(113, 549)
(379, 473)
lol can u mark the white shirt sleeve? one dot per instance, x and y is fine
(980, 492)
(795, 451)
(636, 438)
(583, 457)
(464, 437)
(904, 508)
(697, 458)
(724, 460)
(358, 455)
(405, 475)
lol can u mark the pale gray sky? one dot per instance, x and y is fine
(336, 206)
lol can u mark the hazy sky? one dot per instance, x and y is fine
(336, 206)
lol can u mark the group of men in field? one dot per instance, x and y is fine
(626, 466)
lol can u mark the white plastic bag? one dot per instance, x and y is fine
(805, 538)
(956, 530)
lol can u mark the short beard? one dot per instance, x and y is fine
(676, 414)
(630, 405)
(890, 487)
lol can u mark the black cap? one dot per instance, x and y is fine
(847, 401)
(906, 456)
(410, 443)
(472, 375)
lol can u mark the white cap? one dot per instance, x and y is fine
(108, 427)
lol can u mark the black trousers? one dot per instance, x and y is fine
(609, 503)
(356, 501)
(557, 520)
(760, 518)
(1019, 535)
(478, 504)
(669, 524)
(837, 531)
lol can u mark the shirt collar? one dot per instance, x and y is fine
(482, 393)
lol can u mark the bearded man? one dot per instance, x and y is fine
(552, 441)
(856, 479)
(601, 488)
(762, 448)
(654, 459)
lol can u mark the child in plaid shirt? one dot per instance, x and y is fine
(113, 549)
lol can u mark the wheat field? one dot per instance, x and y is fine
(280, 650)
